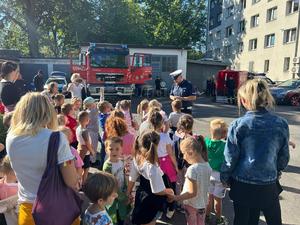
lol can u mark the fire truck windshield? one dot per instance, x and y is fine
(108, 60)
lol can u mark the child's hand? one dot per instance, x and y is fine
(1, 147)
(172, 198)
(292, 144)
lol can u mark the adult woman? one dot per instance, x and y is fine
(9, 94)
(255, 153)
(51, 91)
(27, 147)
(76, 86)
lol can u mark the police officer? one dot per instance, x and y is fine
(182, 90)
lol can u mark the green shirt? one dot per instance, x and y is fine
(215, 150)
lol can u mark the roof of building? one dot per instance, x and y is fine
(208, 62)
(10, 54)
(138, 46)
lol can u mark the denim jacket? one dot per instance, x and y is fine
(256, 148)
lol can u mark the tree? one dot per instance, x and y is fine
(174, 22)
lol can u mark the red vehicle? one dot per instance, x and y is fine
(223, 75)
(110, 66)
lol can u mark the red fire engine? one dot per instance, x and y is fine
(112, 68)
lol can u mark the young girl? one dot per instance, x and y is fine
(156, 104)
(59, 100)
(196, 184)
(125, 106)
(67, 110)
(167, 160)
(256, 151)
(77, 103)
(85, 147)
(120, 209)
(8, 189)
(142, 109)
(76, 86)
(151, 194)
(78, 161)
(101, 189)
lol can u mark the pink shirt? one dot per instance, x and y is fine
(128, 143)
(8, 190)
(129, 122)
(78, 161)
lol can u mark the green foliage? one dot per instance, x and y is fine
(194, 54)
(54, 27)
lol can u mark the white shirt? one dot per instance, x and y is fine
(28, 155)
(199, 172)
(151, 172)
(80, 139)
(174, 118)
(75, 90)
(99, 218)
(162, 146)
(118, 172)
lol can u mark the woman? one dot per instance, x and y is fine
(76, 86)
(9, 93)
(27, 146)
(255, 154)
(51, 91)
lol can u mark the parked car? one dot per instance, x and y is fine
(262, 76)
(287, 92)
(60, 78)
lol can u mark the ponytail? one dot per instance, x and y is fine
(139, 109)
(196, 144)
(146, 146)
(203, 149)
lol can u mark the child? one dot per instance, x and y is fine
(93, 125)
(143, 109)
(120, 209)
(156, 104)
(215, 148)
(166, 157)
(175, 115)
(84, 143)
(67, 110)
(76, 102)
(195, 189)
(104, 108)
(256, 151)
(101, 189)
(61, 120)
(8, 192)
(125, 106)
(59, 100)
(150, 197)
(78, 161)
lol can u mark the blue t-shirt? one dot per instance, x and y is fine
(99, 218)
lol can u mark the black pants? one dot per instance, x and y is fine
(171, 205)
(244, 215)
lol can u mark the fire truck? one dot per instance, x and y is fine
(110, 69)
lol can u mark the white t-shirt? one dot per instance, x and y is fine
(200, 172)
(151, 172)
(118, 172)
(162, 146)
(80, 139)
(28, 155)
(75, 90)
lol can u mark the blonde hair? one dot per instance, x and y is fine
(75, 99)
(195, 144)
(33, 112)
(65, 130)
(75, 77)
(61, 120)
(125, 105)
(256, 93)
(177, 105)
(185, 123)
(103, 105)
(144, 104)
(218, 128)
(155, 104)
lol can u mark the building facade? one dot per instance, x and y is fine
(255, 35)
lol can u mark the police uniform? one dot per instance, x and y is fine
(184, 89)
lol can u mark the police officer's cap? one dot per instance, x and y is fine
(176, 74)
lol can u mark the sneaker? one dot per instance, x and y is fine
(221, 221)
(170, 214)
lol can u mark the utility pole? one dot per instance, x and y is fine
(296, 60)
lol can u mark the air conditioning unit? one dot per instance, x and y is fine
(296, 60)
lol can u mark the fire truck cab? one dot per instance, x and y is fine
(111, 68)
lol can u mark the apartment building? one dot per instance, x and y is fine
(255, 35)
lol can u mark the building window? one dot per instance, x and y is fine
(241, 47)
(218, 53)
(229, 31)
(255, 1)
(269, 40)
(243, 4)
(253, 44)
(292, 6)
(219, 17)
(227, 50)
(272, 14)
(169, 63)
(286, 64)
(251, 66)
(218, 35)
(242, 24)
(267, 65)
(254, 20)
(211, 21)
(229, 11)
(289, 35)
